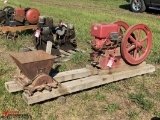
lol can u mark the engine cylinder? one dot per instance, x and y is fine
(32, 15)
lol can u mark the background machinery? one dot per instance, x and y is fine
(62, 36)
(17, 19)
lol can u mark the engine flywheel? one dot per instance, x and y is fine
(136, 44)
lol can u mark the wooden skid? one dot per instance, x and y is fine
(16, 85)
(87, 82)
(11, 86)
(18, 28)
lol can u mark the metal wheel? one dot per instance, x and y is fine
(11, 36)
(138, 6)
(9, 10)
(1, 34)
(135, 49)
(41, 82)
(122, 26)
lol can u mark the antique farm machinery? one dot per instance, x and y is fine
(33, 70)
(62, 36)
(117, 42)
(115, 45)
(16, 19)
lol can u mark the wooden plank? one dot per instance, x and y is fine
(64, 52)
(49, 47)
(71, 51)
(11, 86)
(85, 83)
(74, 74)
(18, 28)
(123, 66)
(59, 77)
(62, 55)
(62, 59)
(83, 51)
(32, 48)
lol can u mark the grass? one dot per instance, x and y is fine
(111, 108)
(140, 100)
(99, 96)
(110, 87)
(157, 113)
(4, 68)
(133, 115)
(135, 98)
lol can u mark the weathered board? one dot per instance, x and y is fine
(16, 85)
(87, 82)
(49, 47)
(18, 28)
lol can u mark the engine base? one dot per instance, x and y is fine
(109, 59)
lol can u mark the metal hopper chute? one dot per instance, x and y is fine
(34, 70)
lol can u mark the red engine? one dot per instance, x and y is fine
(29, 14)
(104, 34)
(106, 38)
(111, 45)
(103, 30)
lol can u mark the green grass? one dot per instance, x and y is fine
(133, 115)
(140, 100)
(85, 96)
(99, 96)
(133, 99)
(111, 108)
(4, 68)
(157, 113)
(110, 87)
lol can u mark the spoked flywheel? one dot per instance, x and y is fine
(122, 26)
(136, 44)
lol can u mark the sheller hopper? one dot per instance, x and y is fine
(33, 72)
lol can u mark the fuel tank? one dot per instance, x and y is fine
(32, 15)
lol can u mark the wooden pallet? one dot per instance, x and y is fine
(81, 79)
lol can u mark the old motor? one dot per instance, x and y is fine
(61, 35)
(117, 43)
(10, 16)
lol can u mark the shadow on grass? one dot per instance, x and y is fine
(54, 71)
(26, 32)
(155, 118)
(153, 12)
(125, 7)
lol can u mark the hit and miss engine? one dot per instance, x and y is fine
(62, 35)
(111, 46)
(10, 16)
